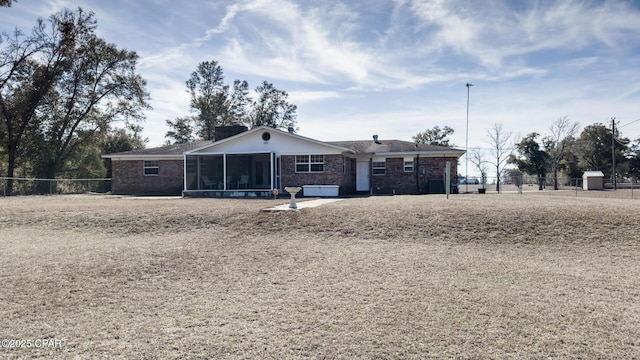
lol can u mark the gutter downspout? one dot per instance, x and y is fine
(417, 172)
(371, 175)
(184, 173)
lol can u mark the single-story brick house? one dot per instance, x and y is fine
(252, 163)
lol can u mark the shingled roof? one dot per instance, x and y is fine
(391, 146)
(357, 146)
(167, 150)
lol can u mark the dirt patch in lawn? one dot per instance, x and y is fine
(384, 277)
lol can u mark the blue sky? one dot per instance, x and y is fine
(392, 68)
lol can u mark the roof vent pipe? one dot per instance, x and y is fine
(375, 139)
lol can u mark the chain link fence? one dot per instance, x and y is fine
(621, 188)
(31, 186)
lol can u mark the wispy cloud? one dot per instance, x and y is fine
(495, 34)
(422, 39)
(303, 97)
(283, 36)
(396, 66)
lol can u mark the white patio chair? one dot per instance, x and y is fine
(244, 181)
(206, 182)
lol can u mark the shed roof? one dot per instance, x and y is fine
(592, 174)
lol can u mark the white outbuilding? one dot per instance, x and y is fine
(592, 180)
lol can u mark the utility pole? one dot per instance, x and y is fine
(466, 156)
(613, 153)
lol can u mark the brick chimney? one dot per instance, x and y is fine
(223, 132)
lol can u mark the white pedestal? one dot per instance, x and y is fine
(293, 191)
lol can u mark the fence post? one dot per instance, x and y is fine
(520, 183)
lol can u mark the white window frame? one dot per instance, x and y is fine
(378, 166)
(408, 164)
(309, 161)
(150, 165)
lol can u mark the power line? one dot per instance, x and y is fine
(491, 148)
(634, 121)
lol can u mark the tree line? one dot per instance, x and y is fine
(66, 97)
(215, 103)
(561, 153)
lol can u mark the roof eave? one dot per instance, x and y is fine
(144, 157)
(256, 129)
(436, 153)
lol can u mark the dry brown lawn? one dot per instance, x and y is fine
(404, 277)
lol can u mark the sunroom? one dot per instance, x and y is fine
(254, 172)
(258, 161)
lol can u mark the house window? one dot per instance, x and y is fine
(309, 163)
(150, 167)
(408, 164)
(378, 167)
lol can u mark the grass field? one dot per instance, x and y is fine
(404, 277)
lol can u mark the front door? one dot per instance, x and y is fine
(362, 176)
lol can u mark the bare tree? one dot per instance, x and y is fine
(500, 143)
(557, 144)
(477, 159)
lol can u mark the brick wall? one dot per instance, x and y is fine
(420, 180)
(338, 170)
(395, 179)
(128, 178)
(434, 171)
